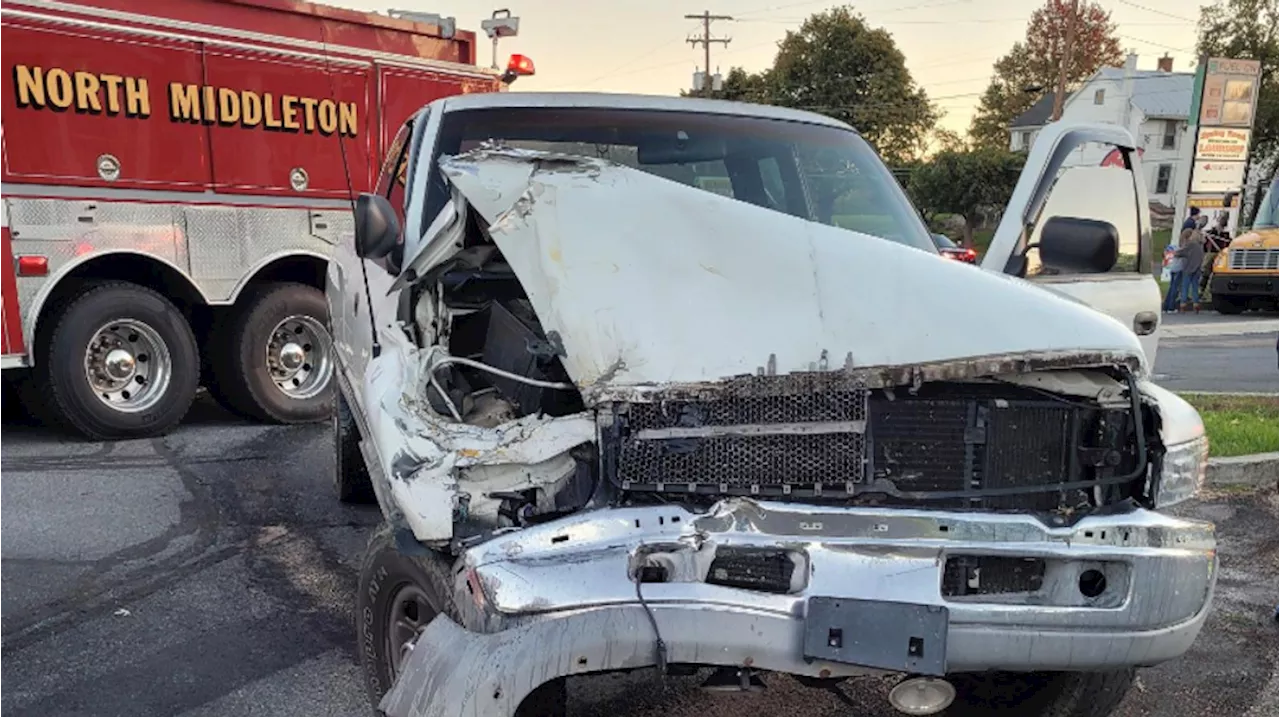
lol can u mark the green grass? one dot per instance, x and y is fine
(1238, 425)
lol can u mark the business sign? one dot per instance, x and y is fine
(1230, 92)
(1213, 201)
(1224, 144)
(1208, 177)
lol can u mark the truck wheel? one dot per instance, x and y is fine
(398, 595)
(1227, 305)
(120, 362)
(1039, 694)
(276, 359)
(350, 475)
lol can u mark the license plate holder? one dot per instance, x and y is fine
(897, 636)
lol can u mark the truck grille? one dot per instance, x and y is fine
(1253, 259)
(784, 436)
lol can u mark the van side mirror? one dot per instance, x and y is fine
(377, 227)
(1079, 246)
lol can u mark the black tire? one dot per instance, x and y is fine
(350, 475)
(1039, 694)
(1227, 305)
(60, 367)
(386, 571)
(242, 380)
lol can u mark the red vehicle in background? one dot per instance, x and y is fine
(174, 177)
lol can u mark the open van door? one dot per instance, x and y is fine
(1092, 196)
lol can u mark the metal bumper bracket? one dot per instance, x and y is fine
(897, 636)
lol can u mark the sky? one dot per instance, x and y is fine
(639, 45)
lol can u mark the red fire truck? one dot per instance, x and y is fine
(175, 174)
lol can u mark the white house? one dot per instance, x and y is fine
(1152, 104)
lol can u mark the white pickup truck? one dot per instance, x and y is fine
(648, 382)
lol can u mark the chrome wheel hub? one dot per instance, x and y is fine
(299, 357)
(128, 365)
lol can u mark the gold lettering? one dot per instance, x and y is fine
(210, 104)
(347, 118)
(250, 108)
(309, 113)
(87, 87)
(30, 84)
(289, 105)
(113, 83)
(228, 106)
(328, 117)
(137, 98)
(270, 121)
(58, 85)
(184, 102)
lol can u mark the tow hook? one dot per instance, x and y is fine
(734, 679)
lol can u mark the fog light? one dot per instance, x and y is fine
(922, 695)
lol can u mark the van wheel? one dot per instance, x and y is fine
(120, 362)
(1039, 694)
(1227, 305)
(350, 475)
(274, 361)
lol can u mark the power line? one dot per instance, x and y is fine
(1191, 50)
(1158, 12)
(706, 41)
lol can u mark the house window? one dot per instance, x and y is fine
(1099, 96)
(1163, 175)
(1027, 137)
(1170, 135)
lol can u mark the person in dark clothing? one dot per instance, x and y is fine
(1190, 223)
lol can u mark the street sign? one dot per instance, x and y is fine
(1225, 144)
(1216, 176)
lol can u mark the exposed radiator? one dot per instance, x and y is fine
(786, 436)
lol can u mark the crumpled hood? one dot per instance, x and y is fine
(648, 282)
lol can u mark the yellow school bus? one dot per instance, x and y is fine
(1244, 276)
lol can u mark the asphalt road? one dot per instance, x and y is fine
(1210, 352)
(211, 572)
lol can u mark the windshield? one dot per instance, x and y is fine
(823, 174)
(1266, 218)
(944, 242)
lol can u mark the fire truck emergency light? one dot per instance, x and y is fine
(517, 66)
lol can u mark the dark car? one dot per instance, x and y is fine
(951, 250)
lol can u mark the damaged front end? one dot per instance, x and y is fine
(717, 434)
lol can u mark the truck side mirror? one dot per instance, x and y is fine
(377, 227)
(1081, 246)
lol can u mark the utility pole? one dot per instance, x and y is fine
(1059, 95)
(706, 17)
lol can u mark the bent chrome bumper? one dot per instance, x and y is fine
(561, 599)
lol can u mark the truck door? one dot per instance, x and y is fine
(1113, 194)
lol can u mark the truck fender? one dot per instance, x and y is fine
(264, 265)
(80, 266)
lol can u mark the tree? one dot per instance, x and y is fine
(1246, 29)
(965, 182)
(1030, 69)
(838, 66)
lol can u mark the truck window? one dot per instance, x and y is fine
(391, 178)
(823, 174)
(1101, 193)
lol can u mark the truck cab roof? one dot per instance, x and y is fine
(608, 100)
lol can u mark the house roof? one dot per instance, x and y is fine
(1164, 95)
(1037, 116)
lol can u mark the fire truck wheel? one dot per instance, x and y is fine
(120, 362)
(277, 364)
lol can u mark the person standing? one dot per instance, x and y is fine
(1191, 251)
(1171, 295)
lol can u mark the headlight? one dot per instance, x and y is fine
(1182, 472)
(1220, 262)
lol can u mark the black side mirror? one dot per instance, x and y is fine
(1079, 246)
(377, 227)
